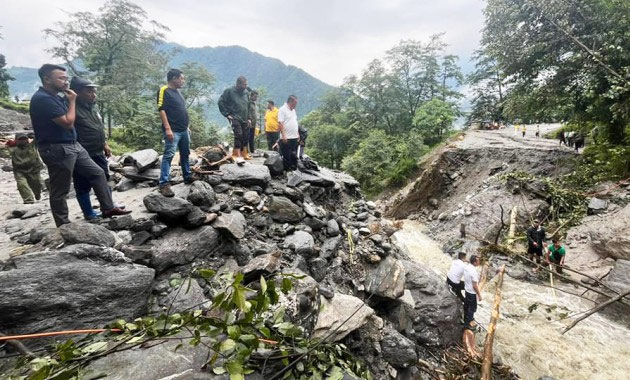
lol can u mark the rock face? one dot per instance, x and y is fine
(398, 350)
(387, 279)
(170, 210)
(188, 295)
(283, 210)
(619, 277)
(201, 194)
(180, 246)
(247, 175)
(433, 318)
(302, 242)
(77, 233)
(60, 290)
(612, 239)
(232, 224)
(336, 310)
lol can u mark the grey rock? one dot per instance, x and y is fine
(264, 264)
(293, 194)
(377, 239)
(233, 224)
(143, 159)
(364, 231)
(132, 173)
(180, 246)
(619, 277)
(283, 210)
(170, 210)
(363, 216)
(387, 279)
(274, 163)
(201, 194)
(597, 206)
(323, 178)
(247, 175)
(612, 238)
(332, 227)
(125, 184)
(314, 223)
(326, 292)
(143, 224)
(319, 268)
(329, 247)
(312, 210)
(81, 232)
(31, 213)
(120, 223)
(187, 296)
(335, 311)
(141, 237)
(222, 187)
(302, 242)
(81, 286)
(195, 218)
(371, 205)
(251, 198)
(159, 230)
(214, 179)
(397, 349)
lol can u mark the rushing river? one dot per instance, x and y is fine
(530, 341)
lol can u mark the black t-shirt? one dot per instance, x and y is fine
(44, 108)
(172, 102)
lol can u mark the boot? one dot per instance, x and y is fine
(246, 154)
(86, 206)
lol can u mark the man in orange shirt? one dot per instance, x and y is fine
(271, 125)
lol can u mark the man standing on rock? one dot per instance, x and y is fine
(535, 241)
(174, 115)
(26, 167)
(473, 294)
(91, 135)
(271, 125)
(289, 130)
(234, 105)
(53, 119)
(556, 254)
(455, 274)
(253, 117)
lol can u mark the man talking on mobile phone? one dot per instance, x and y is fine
(53, 123)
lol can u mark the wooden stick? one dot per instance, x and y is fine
(484, 275)
(595, 310)
(512, 229)
(55, 333)
(486, 367)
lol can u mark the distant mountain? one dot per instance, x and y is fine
(226, 63)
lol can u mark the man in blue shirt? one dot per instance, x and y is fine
(53, 123)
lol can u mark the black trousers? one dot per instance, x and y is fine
(456, 288)
(470, 307)
(82, 184)
(251, 134)
(289, 153)
(62, 161)
(241, 134)
(272, 138)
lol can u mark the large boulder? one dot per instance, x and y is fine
(132, 173)
(397, 349)
(274, 163)
(597, 206)
(427, 313)
(201, 194)
(82, 232)
(169, 209)
(246, 175)
(263, 264)
(611, 237)
(619, 276)
(143, 159)
(329, 247)
(233, 224)
(334, 312)
(81, 286)
(317, 178)
(386, 279)
(180, 246)
(302, 242)
(283, 210)
(187, 296)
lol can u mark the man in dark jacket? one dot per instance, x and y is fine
(234, 105)
(91, 135)
(535, 241)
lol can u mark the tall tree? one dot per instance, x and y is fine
(4, 77)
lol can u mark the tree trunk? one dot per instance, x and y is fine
(486, 367)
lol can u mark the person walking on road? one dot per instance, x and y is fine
(234, 105)
(271, 125)
(473, 294)
(523, 130)
(537, 131)
(289, 130)
(174, 114)
(53, 120)
(26, 168)
(455, 274)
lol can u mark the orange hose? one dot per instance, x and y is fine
(55, 333)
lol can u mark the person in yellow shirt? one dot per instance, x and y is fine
(272, 130)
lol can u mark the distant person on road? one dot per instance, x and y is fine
(174, 115)
(556, 254)
(289, 131)
(562, 136)
(91, 135)
(516, 129)
(53, 120)
(537, 130)
(570, 136)
(535, 241)
(455, 274)
(234, 105)
(578, 141)
(523, 129)
(271, 125)
(253, 117)
(26, 167)
(473, 294)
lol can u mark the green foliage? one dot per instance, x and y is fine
(4, 78)
(434, 120)
(328, 144)
(19, 107)
(600, 162)
(199, 85)
(243, 331)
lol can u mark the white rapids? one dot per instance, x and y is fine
(531, 342)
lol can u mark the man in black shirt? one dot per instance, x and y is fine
(174, 115)
(53, 123)
(535, 240)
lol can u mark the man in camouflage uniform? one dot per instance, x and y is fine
(26, 168)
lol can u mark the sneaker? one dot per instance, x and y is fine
(166, 191)
(115, 212)
(240, 161)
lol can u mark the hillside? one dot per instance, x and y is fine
(226, 63)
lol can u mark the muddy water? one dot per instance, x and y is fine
(531, 342)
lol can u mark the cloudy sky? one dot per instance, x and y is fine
(327, 38)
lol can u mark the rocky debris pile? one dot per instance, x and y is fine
(13, 121)
(254, 220)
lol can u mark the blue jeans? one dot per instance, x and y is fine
(181, 141)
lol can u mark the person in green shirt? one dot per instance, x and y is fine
(556, 254)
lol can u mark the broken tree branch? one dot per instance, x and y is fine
(486, 367)
(595, 310)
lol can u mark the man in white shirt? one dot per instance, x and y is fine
(473, 294)
(454, 276)
(287, 120)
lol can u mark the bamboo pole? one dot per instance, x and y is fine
(595, 310)
(486, 367)
(55, 333)
(512, 229)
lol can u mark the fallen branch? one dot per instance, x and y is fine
(55, 333)
(595, 310)
(496, 238)
(486, 367)
(19, 346)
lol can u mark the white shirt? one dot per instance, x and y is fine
(470, 276)
(457, 271)
(288, 118)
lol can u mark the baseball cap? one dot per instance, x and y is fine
(78, 83)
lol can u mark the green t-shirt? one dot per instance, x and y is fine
(556, 253)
